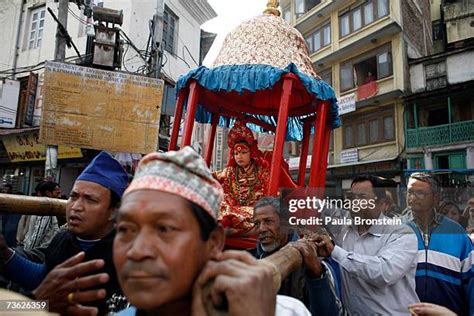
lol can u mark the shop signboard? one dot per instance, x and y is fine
(26, 147)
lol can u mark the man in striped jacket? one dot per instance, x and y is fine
(445, 271)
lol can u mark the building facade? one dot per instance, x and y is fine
(362, 49)
(28, 40)
(439, 120)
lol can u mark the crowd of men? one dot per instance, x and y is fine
(155, 247)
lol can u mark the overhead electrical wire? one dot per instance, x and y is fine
(74, 15)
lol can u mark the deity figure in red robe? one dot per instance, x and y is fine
(244, 180)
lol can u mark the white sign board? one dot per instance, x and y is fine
(346, 103)
(294, 162)
(9, 94)
(349, 156)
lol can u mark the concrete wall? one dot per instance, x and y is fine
(9, 15)
(459, 18)
(189, 36)
(435, 8)
(458, 69)
(417, 28)
(417, 78)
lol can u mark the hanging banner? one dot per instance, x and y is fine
(367, 90)
(26, 147)
(99, 109)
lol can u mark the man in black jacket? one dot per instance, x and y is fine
(90, 214)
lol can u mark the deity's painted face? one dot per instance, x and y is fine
(242, 154)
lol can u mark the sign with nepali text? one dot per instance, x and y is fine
(347, 103)
(349, 155)
(99, 109)
(26, 147)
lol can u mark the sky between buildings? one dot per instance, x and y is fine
(230, 13)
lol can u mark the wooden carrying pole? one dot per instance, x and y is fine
(282, 263)
(30, 205)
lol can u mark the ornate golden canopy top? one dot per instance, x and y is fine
(272, 7)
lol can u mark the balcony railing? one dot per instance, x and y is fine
(441, 134)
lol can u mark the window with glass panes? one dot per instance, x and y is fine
(303, 6)
(36, 27)
(170, 26)
(376, 63)
(319, 38)
(354, 19)
(373, 128)
(286, 13)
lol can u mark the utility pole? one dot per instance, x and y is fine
(51, 165)
(158, 37)
(157, 60)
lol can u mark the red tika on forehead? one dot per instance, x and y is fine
(241, 147)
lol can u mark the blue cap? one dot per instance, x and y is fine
(107, 172)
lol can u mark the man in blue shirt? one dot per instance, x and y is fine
(445, 270)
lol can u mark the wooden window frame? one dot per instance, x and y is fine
(343, 65)
(312, 35)
(32, 41)
(299, 14)
(350, 12)
(171, 15)
(305, 9)
(387, 48)
(353, 122)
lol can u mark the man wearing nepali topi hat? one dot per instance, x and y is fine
(169, 244)
(90, 213)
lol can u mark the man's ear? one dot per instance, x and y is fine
(216, 241)
(113, 214)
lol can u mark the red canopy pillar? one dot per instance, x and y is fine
(212, 136)
(304, 152)
(280, 136)
(325, 152)
(190, 113)
(178, 114)
(318, 161)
